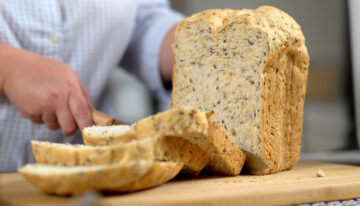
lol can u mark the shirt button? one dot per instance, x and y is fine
(54, 37)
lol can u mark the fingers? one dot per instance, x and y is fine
(73, 113)
(32, 117)
(65, 118)
(35, 119)
(50, 120)
(87, 96)
(80, 109)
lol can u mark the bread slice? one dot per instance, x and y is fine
(198, 128)
(175, 149)
(72, 155)
(62, 180)
(226, 157)
(158, 174)
(102, 135)
(250, 67)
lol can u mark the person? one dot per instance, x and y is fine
(56, 57)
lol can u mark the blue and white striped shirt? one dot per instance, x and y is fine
(92, 37)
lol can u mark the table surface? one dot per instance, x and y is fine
(297, 186)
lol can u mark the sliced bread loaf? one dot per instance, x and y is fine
(250, 67)
(72, 155)
(175, 149)
(110, 166)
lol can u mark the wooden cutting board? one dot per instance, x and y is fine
(296, 186)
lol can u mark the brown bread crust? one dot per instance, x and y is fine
(158, 174)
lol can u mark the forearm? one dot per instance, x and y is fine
(167, 56)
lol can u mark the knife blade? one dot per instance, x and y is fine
(254, 164)
(103, 119)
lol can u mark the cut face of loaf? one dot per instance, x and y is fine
(250, 68)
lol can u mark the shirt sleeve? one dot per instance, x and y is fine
(153, 20)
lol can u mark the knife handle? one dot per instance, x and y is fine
(102, 119)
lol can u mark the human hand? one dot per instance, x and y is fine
(44, 90)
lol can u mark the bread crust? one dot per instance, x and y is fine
(226, 157)
(284, 90)
(158, 174)
(177, 149)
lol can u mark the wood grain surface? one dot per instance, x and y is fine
(296, 186)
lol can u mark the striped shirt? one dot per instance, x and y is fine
(92, 37)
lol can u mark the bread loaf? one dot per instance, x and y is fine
(73, 155)
(250, 67)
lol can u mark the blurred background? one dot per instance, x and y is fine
(329, 132)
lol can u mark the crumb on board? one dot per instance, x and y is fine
(320, 173)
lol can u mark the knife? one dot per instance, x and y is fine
(254, 164)
(103, 119)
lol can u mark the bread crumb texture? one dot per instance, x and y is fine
(96, 135)
(320, 173)
(250, 67)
